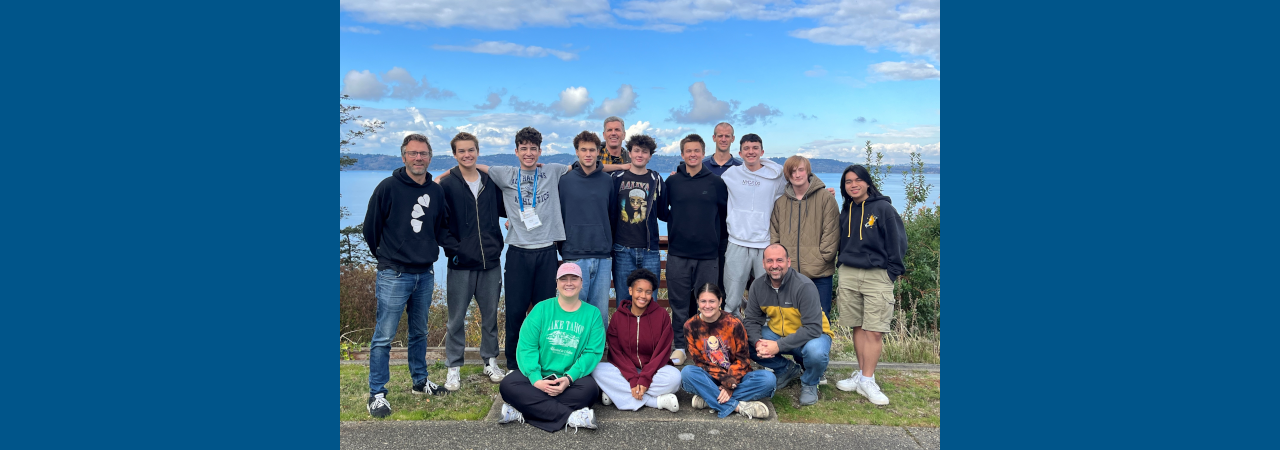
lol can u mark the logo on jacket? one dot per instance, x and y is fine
(871, 221)
(423, 202)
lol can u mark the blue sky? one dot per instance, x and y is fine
(812, 78)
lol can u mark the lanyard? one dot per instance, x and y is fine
(520, 192)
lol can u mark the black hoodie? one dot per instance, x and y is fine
(405, 224)
(473, 221)
(878, 239)
(588, 208)
(696, 220)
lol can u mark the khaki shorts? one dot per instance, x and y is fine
(865, 298)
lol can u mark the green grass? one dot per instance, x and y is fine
(914, 401)
(470, 402)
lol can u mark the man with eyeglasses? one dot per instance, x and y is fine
(405, 226)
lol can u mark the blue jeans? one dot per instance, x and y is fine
(627, 260)
(595, 284)
(824, 294)
(813, 356)
(757, 385)
(395, 291)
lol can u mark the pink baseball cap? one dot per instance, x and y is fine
(569, 269)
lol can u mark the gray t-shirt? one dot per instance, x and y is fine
(548, 200)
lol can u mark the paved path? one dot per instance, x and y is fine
(936, 368)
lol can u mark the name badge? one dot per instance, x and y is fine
(530, 219)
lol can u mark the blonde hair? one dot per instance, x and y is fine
(793, 162)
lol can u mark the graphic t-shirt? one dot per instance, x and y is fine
(637, 198)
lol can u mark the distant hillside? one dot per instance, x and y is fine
(661, 163)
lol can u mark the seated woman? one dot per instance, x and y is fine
(561, 342)
(721, 377)
(638, 340)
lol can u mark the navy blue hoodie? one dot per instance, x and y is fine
(878, 239)
(405, 224)
(588, 208)
(473, 221)
(696, 221)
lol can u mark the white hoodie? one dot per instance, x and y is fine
(751, 197)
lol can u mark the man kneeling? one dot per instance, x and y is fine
(721, 377)
(639, 372)
(560, 344)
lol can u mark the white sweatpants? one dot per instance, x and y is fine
(611, 382)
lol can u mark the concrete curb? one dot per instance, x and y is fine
(936, 368)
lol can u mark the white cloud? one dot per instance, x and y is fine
(851, 151)
(620, 106)
(363, 86)
(361, 30)
(913, 28)
(902, 70)
(703, 107)
(573, 101)
(923, 131)
(817, 71)
(508, 48)
(408, 89)
(761, 112)
(670, 149)
(495, 14)
(689, 12)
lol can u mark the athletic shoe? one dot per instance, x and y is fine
(698, 402)
(678, 356)
(793, 372)
(848, 384)
(808, 395)
(582, 418)
(427, 387)
(510, 414)
(871, 390)
(378, 406)
(453, 381)
(669, 402)
(823, 380)
(491, 369)
(604, 398)
(753, 410)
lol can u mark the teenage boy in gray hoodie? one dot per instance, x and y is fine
(753, 188)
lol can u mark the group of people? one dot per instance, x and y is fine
(752, 251)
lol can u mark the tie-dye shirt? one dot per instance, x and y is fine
(720, 348)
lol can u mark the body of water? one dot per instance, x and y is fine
(356, 186)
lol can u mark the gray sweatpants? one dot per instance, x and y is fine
(611, 381)
(485, 286)
(742, 266)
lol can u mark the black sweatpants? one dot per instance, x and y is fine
(683, 276)
(530, 277)
(542, 410)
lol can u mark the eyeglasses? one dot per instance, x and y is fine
(417, 154)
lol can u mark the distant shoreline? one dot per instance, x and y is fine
(660, 163)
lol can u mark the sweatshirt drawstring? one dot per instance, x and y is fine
(863, 216)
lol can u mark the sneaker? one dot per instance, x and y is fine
(753, 410)
(808, 395)
(823, 380)
(453, 381)
(871, 390)
(669, 402)
(849, 384)
(793, 372)
(427, 387)
(582, 418)
(510, 414)
(491, 369)
(378, 406)
(678, 356)
(699, 403)
(604, 398)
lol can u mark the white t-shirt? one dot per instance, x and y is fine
(475, 186)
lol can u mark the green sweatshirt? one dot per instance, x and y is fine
(555, 341)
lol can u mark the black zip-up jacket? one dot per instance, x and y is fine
(588, 206)
(657, 186)
(474, 222)
(696, 218)
(406, 223)
(878, 238)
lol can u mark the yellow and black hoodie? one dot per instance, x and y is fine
(876, 239)
(792, 310)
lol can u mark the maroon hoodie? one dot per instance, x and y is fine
(640, 344)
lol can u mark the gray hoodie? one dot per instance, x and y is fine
(751, 198)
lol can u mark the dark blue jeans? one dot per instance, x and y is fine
(396, 291)
(813, 356)
(627, 260)
(824, 294)
(756, 385)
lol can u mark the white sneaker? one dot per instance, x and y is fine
(510, 414)
(823, 379)
(849, 384)
(582, 418)
(604, 398)
(753, 410)
(453, 381)
(871, 390)
(678, 356)
(669, 402)
(698, 402)
(491, 369)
